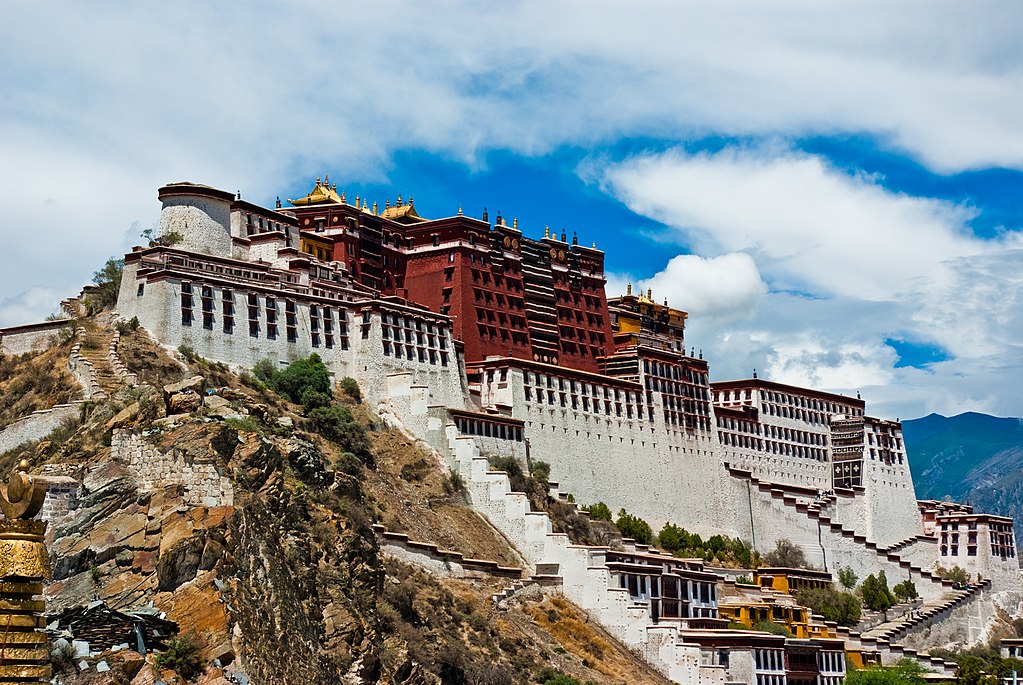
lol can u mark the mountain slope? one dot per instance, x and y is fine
(973, 458)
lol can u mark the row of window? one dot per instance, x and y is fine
(769, 660)
(488, 429)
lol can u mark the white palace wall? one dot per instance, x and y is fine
(204, 223)
(158, 309)
(662, 475)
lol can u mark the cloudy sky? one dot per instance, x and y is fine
(832, 190)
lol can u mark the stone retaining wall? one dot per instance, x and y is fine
(203, 483)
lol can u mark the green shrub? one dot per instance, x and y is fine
(549, 676)
(956, 574)
(126, 327)
(339, 426)
(875, 592)
(599, 512)
(314, 399)
(351, 388)
(634, 527)
(745, 580)
(540, 470)
(108, 283)
(681, 542)
(188, 352)
(841, 607)
(847, 577)
(265, 371)
(181, 655)
(905, 591)
(772, 627)
(301, 375)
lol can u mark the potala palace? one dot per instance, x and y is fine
(480, 341)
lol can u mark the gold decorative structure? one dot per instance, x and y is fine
(24, 567)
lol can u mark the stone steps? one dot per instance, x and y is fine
(780, 492)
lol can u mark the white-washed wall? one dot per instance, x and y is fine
(204, 223)
(37, 425)
(24, 339)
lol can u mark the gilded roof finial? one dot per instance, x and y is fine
(515, 222)
(628, 289)
(387, 204)
(546, 231)
(326, 180)
(575, 238)
(357, 205)
(343, 197)
(334, 187)
(486, 217)
(398, 202)
(317, 180)
(564, 237)
(459, 210)
(411, 201)
(374, 207)
(650, 294)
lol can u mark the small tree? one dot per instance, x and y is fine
(847, 577)
(301, 375)
(841, 607)
(786, 554)
(634, 527)
(905, 591)
(599, 512)
(956, 574)
(108, 283)
(876, 594)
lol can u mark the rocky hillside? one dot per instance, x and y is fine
(972, 458)
(249, 521)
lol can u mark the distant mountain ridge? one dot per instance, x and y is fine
(973, 458)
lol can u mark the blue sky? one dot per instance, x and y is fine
(830, 189)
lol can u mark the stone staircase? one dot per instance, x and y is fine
(815, 512)
(583, 574)
(898, 627)
(95, 350)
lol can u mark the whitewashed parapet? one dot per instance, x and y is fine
(37, 425)
(444, 562)
(83, 370)
(120, 370)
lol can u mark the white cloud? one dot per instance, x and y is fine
(850, 264)
(723, 288)
(810, 226)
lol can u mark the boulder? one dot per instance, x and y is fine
(307, 462)
(185, 396)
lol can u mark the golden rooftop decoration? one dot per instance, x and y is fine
(546, 231)
(321, 193)
(24, 567)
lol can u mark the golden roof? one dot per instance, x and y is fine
(321, 194)
(402, 212)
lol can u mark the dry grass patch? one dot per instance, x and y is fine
(33, 381)
(582, 637)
